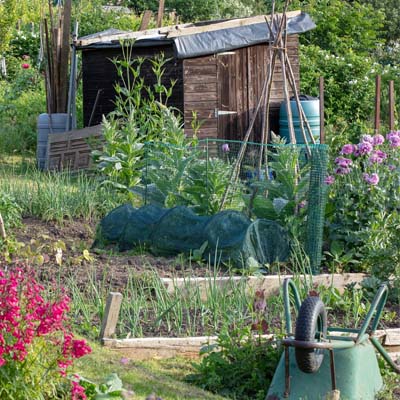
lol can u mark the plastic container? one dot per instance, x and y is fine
(311, 110)
(58, 123)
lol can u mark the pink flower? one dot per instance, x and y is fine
(365, 148)
(25, 57)
(25, 66)
(377, 140)
(372, 179)
(348, 149)
(77, 391)
(124, 361)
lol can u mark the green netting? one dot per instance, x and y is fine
(184, 190)
(228, 236)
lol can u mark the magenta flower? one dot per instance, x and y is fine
(25, 66)
(365, 148)
(377, 140)
(348, 149)
(372, 179)
(225, 148)
(330, 179)
(343, 162)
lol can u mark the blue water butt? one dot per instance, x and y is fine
(311, 110)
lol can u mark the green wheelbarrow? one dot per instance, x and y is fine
(321, 362)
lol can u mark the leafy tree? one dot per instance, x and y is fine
(8, 17)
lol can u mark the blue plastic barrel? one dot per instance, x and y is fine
(311, 110)
(56, 123)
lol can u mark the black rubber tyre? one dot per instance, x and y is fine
(310, 327)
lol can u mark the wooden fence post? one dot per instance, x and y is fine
(111, 313)
(391, 105)
(377, 103)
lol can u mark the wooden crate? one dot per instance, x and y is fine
(71, 149)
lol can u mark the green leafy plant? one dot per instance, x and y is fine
(141, 116)
(10, 211)
(239, 366)
(284, 197)
(111, 388)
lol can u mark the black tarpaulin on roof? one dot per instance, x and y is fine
(204, 43)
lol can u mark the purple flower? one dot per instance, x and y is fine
(377, 140)
(348, 149)
(365, 148)
(225, 148)
(302, 204)
(367, 139)
(394, 138)
(124, 361)
(343, 162)
(342, 171)
(377, 157)
(372, 179)
(330, 179)
(391, 167)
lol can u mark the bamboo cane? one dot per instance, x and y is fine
(2, 228)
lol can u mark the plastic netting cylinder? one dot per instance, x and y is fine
(316, 206)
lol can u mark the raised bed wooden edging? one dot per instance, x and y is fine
(270, 283)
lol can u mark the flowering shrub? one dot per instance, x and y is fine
(365, 201)
(36, 345)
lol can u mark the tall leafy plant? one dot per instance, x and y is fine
(141, 115)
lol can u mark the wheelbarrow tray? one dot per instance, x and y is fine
(356, 369)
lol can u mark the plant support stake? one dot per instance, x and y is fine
(2, 228)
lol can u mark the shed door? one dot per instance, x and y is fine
(233, 96)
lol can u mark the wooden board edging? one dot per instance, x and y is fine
(139, 349)
(270, 283)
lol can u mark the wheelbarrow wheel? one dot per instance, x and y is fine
(310, 327)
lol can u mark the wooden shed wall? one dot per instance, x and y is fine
(232, 82)
(99, 72)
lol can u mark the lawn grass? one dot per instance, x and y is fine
(165, 378)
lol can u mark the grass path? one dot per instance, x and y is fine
(162, 377)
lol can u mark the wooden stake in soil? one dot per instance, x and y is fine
(391, 105)
(2, 228)
(111, 313)
(377, 103)
(321, 110)
(160, 13)
(145, 20)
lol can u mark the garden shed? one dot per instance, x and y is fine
(219, 68)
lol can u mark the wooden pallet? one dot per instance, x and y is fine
(72, 150)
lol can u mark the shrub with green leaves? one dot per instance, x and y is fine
(241, 368)
(10, 211)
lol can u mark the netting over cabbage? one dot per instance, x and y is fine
(234, 202)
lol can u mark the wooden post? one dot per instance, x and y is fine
(391, 105)
(321, 110)
(160, 13)
(110, 318)
(2, 228)
(377, 103)
(145, 20)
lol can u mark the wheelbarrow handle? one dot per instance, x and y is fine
(377, 306)
(289, 285)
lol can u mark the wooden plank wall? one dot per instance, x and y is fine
(233, 81)
(200, 95)
(98, 72)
